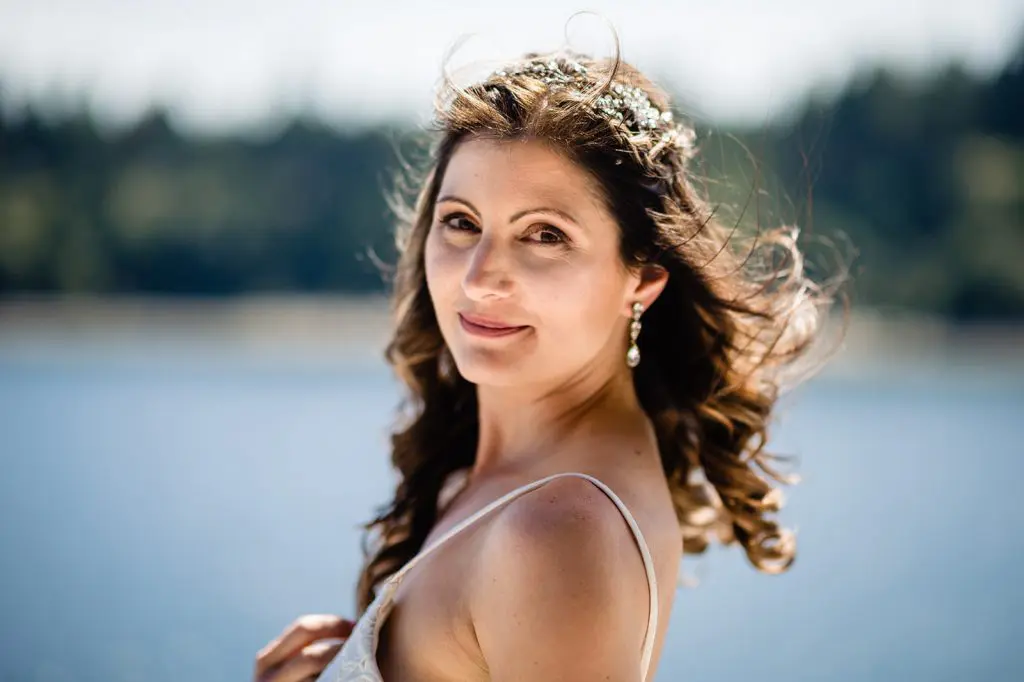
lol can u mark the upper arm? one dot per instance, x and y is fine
(560, 591)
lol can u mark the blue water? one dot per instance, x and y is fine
(163, 515)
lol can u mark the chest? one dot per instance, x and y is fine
(427, 635)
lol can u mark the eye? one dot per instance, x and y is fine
(447, 222)
(559, 236)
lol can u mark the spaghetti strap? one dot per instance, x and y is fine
(652, 583)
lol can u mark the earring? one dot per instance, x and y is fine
(633, 354)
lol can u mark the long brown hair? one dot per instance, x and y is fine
(735, 316)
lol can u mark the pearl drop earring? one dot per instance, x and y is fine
(633, 354)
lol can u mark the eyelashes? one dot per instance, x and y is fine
(562, 240)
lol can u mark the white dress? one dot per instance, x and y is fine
(357, 660)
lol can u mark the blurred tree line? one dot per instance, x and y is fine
(926, 179)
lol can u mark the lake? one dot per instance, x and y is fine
(167, 508)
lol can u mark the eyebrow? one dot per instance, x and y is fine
(516, 216)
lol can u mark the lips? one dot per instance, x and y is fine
(483, 326)
(491, 322)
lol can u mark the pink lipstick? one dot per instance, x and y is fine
(489, 329)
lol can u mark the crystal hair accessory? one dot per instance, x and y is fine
(624, 105)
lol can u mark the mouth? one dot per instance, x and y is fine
(480, 330)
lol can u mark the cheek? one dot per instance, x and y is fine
(440, 269)
(580, 304)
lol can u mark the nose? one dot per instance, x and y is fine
(487, 276)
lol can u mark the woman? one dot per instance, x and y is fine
(556, 462)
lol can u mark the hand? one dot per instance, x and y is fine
(297, 654)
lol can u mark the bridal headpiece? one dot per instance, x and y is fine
(626, 106)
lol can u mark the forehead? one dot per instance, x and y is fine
(525, 167)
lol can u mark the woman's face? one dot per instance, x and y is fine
(519, 236)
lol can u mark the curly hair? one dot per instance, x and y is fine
(718, 342)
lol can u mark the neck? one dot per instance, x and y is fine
(529, 427)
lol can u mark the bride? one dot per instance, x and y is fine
(556, 461)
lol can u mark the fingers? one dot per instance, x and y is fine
(304, 631)
(308, 664)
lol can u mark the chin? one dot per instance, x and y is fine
(491, 371)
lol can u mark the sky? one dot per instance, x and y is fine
(222, 65)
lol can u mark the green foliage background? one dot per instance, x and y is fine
(924, 179)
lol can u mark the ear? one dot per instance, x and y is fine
(648, 285)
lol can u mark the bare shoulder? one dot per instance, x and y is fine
(565, 521)
(559, 587)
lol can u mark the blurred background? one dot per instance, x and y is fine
(193, 400)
